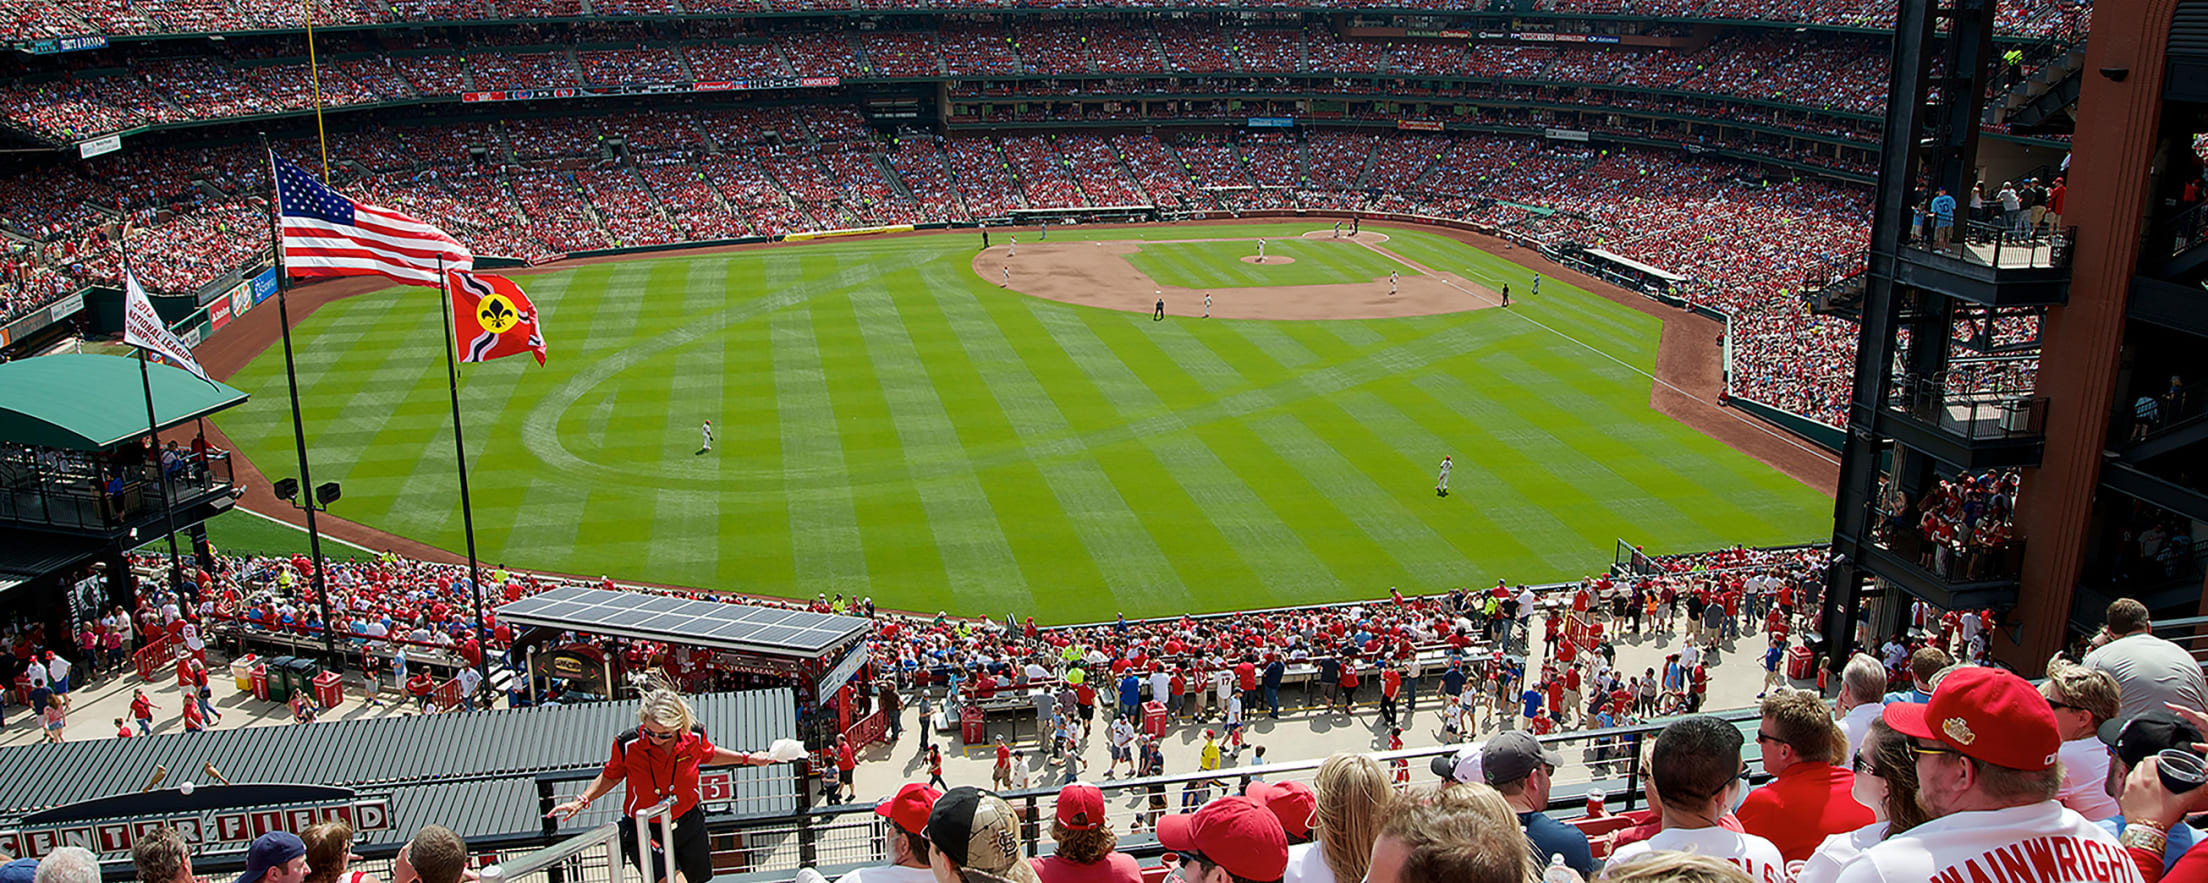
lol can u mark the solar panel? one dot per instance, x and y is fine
(682, 620)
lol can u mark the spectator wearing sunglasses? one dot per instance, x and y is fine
(1229, 840)
(659, 760)
(1886, 781)
(1697, 771)
(1809, 798)
(2083, 699)
(1986, 747)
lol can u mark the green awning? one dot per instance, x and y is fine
(90, 403)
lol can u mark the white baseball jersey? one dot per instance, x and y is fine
(1445, 467)
(2042, 842)
(1751, 853)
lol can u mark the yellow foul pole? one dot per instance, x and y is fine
(314, 79)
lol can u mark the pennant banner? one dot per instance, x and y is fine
(144, 329)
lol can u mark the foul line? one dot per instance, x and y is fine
(325, 534)
(1757, 425)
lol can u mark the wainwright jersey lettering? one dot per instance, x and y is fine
(2043, 860)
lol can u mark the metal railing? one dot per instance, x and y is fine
(834, 838)
(82, 500)
(1972, 415)
(591, 856)
(2009, 245)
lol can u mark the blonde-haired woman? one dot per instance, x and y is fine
(659, 760)
(1351, 790)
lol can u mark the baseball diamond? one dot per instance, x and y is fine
(890, 422)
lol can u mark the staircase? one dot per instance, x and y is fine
(2045, 94)
(896, 181)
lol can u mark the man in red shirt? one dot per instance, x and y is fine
(847, 761)
(1811, 798)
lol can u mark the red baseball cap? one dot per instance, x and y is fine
(909, 809)
(1081, 807)
(1988, 714)
(1294, 803)
(1233, 832)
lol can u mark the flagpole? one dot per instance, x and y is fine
(460, 456)
(153, 429)
(314, 79)
(298, 425)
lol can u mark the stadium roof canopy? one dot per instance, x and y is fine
(474, 772)
(90, 403)
(748, 628)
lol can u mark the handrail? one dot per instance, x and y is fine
(608, 835)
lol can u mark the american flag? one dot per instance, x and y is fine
(326, 234)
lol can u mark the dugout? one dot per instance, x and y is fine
(80, 486)
(597, 642)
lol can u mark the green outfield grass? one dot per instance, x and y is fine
(1219, 264)
(244, 533)
(890, 425)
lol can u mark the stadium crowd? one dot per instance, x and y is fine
(1898, 779)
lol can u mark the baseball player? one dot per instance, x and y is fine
(1207, 304)
(1159, 313)
(1506, 294)
(1441, 485)
(1337, 229)
(1261, 251)
(1393, 281)
(1987, 727)
(1536, 285)
(1007, 277)
(707, 431)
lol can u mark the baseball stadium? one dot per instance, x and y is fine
(882, 422)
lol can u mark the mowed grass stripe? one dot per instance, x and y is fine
(962, 532)
(1179, 495)
(686, 525)
(824, 526)
(892, 523)
(1096, 482)
(1355, 463)
(753, 526)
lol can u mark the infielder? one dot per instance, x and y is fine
(1013, 250)
(1207, 304)
(707, 430)
(1261, 251)
(1441, 485)
(1007, 277)
(1392, 282)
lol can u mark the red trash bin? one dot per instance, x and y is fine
(1153, 719)
(329, 689)
(1800, 665)
(970, 726)
(260, 682)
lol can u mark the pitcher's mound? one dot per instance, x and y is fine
(1275, 259)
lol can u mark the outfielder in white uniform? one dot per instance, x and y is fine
(707, 430)
(1984, 722)
(1441, 485)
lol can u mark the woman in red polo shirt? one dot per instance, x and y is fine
(657, 760)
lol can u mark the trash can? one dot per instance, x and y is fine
(259, 683)
(278, 678)
(1153, 719)
(241, 672)
(299, 676)
(329, 689)
(1800, 664)
(970, 728)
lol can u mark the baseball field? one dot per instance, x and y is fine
(941, 428)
